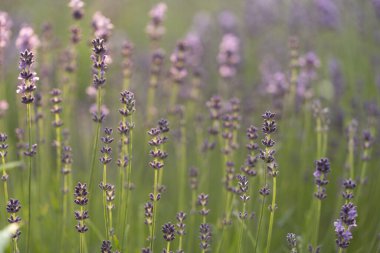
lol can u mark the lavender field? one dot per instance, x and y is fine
(190, 126)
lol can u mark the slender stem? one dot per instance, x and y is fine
(5, 181)
(29, 119)
(105, 201)
(271, 219)
(261, 214)
(168, 247)
(340, 250)
(180, 244)
(129, 172)
(96, 139)
(154, 208)
(317, 221)
(362, 175)
(59, 147)
(240, 246)
(182, 173)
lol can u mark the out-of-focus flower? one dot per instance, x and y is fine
(328, 14)
(27, 39)
(3, 107)
(155, 29)
(227, 21)
(229, 57)
(77, 8)
(5, 29)
(309, 64)
(277, 84)
(102, 26)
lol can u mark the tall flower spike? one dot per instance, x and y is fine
(13, 207)
(27, 78)
(80, 194)
(322, 168)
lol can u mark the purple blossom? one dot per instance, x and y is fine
(27, 39)
(5, 29)
(328, 14)
(344, 225)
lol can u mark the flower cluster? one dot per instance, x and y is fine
(80, 193)
(67, 160)
(168, 230)
(203, 202)
(205, 236)
(322, 168)
(156, 65)
(267, 154)
(243, 190)
(13, 207)
(106, 150)
(56, 109)
(155, 29)
(252, 146)
(181, 216)
(229, 56)
(178, 71)
(27, 39)
(99, 66)
(157, 141)
(27, 77)
(214, 106)
(102, 26)
(127, 63)
(344, 225)
(106, 247)
(349, 186)
(5, 29)
(77, 9)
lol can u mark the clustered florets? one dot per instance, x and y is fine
(81, 193)
(344, 225)
(322, 168)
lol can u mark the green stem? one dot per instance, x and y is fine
(129, 172)
(5, 181)
(96, 138)
(105, 201)
(29, 119)
(317, 221)
(154, 208)
(271, 219)
(240, 246)
(168, 247)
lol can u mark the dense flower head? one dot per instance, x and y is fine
(27, 77)
(5, 29)
(168, 230)
(102, 26)
(3, 145)
(27, 39)
(292, 240)
(106, 247)
(344, 225)
(322, 168)
(205, 236)
(80, 193)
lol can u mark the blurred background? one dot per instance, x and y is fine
(342, 35)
